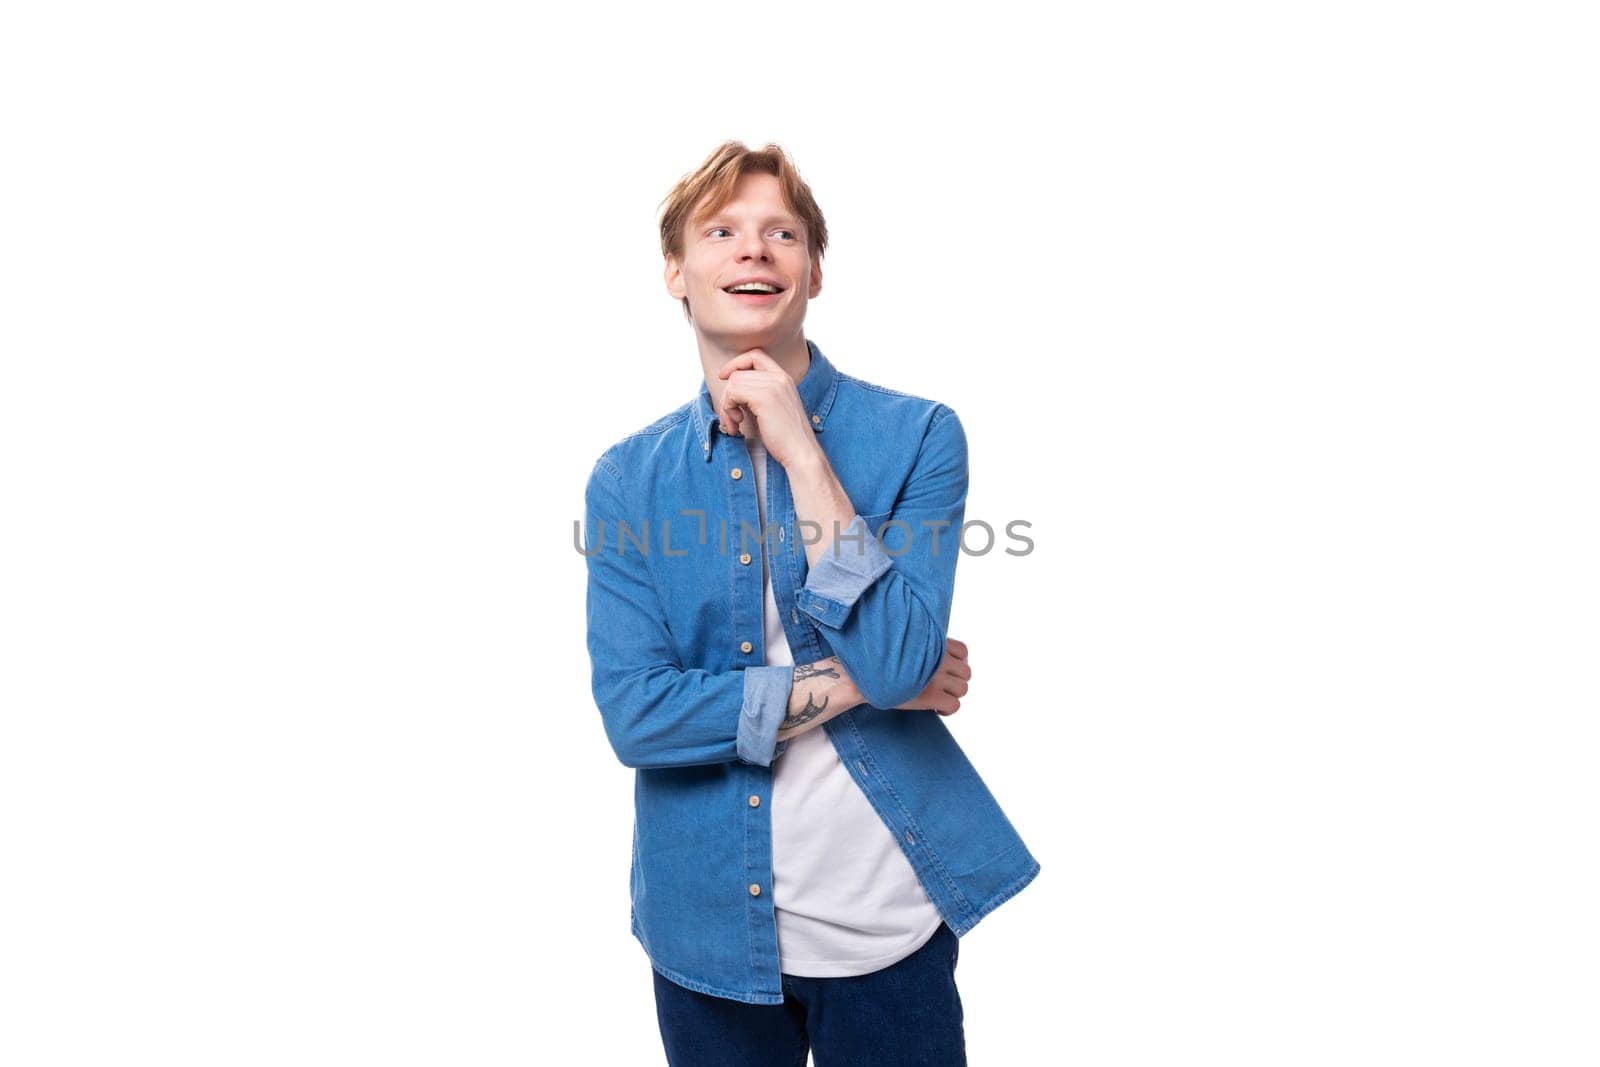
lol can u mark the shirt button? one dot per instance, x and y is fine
(737, 474)
(816, 419)
(794, 616)
(755, 890)
(745, 646)
(744, 557)
(755, 801)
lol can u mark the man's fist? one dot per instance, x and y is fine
(943, 694)
(759, 389)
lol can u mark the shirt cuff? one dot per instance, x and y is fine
(766, 700)
(843, 574)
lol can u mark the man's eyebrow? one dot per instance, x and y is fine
(789, 219)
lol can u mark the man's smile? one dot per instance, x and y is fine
(755, 289)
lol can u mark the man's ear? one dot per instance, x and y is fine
(816, 280)
(672, 274)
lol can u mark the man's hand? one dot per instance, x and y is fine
(943, 694)
(760, 390)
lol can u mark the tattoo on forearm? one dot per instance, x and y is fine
(805, 714)
(811, 670)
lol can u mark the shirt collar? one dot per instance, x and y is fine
(816, 387)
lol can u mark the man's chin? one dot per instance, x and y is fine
(742, 340)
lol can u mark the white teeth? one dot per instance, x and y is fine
(753, 287)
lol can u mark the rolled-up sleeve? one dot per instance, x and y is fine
(851, 564)
(766, 701)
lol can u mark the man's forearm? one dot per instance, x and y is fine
(820, 499)
(821, 690)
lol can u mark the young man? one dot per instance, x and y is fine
(809, 840)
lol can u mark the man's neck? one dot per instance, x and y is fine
(793, 356)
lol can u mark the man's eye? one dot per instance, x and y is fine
(723, 229)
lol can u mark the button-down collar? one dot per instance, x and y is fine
(817, 388)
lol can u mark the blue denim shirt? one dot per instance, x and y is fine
(676, 635)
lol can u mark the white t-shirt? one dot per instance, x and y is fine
(846, 898)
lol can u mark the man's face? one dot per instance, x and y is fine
(752, 236)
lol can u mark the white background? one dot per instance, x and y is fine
(1276, 321)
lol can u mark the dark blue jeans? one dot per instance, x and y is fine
(906, 1014)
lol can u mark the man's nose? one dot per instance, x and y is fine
(752, 244)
